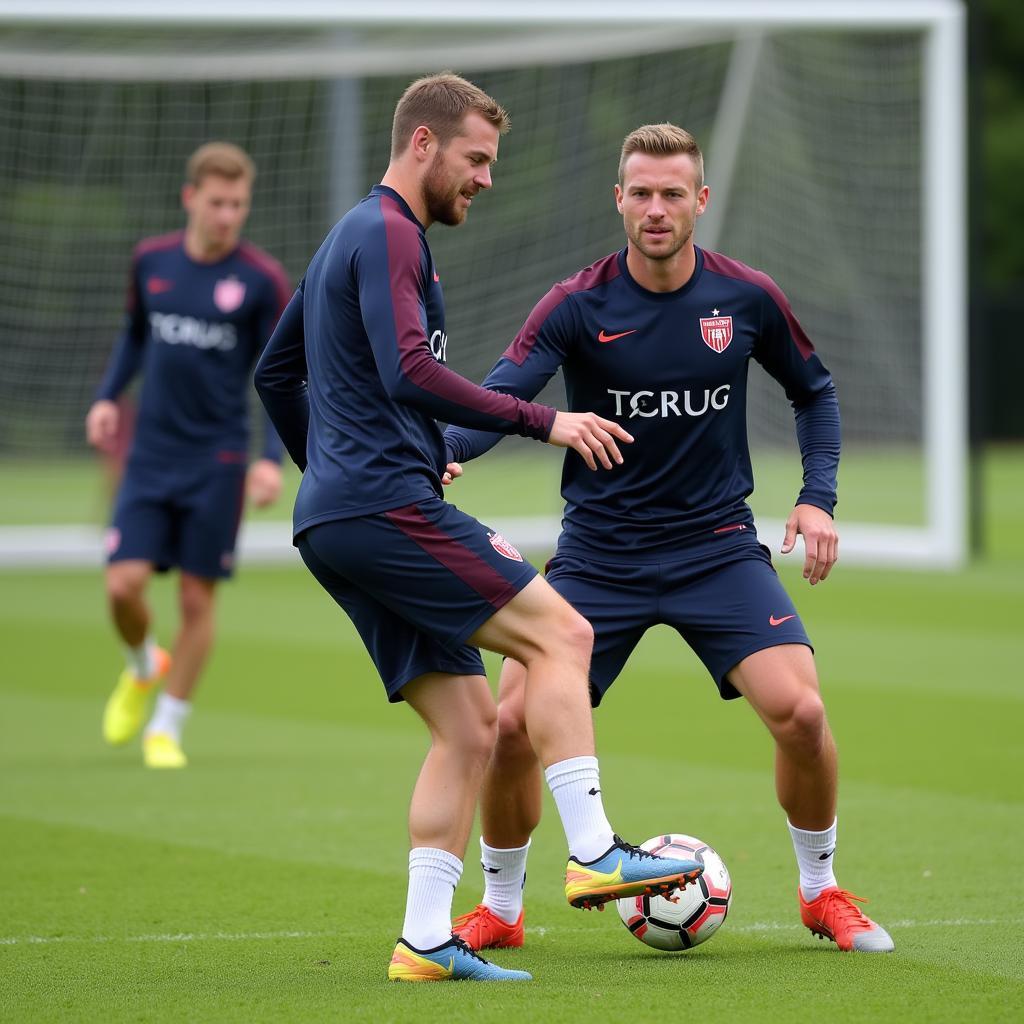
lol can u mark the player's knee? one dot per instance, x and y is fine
(572, 635)
(804, 729)
(124, 584)
(195, 601)
(511, 733)
(478, 735)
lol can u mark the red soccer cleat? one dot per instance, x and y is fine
(834, 915)
(481, 928)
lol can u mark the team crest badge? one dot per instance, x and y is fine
(716, 331)
(228, 294)
(503, 547)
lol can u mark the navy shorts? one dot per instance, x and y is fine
(416, 582)
(721, 595)
(184, 516)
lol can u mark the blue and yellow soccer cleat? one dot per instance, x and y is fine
(162, 751)
(451, 961)
(127, 705)
(625, 870)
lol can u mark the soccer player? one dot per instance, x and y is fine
(354, 377)
(659, 336)
(201, 305)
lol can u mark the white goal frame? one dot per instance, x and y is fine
(941, 542)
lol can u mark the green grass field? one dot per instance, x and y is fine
(522, 481)
(266, 882)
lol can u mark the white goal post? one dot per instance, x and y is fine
(909, 351)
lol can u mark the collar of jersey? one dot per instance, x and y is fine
(662, 296)
(387, 190)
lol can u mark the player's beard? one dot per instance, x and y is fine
(441, 194)
(680, 239)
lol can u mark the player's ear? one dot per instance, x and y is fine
(702, 199)
(618, 197)
(188, 192)
(423, 143)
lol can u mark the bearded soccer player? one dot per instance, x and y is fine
(354, 378)
(659, 336)
(201, 305)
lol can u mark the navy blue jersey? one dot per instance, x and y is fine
(672, 369)
(195, 330)
(354, 375)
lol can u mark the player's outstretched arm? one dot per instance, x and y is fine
(821, 541)
(590, 435)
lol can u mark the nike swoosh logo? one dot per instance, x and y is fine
(604, 338)
(772, 621)
(825, 856)
(490, 871)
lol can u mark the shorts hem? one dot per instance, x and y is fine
(393, 690)
(729, 692)
(484, 614)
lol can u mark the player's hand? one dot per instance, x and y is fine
(263, 482)
(101, 423)
(591, 436)
(821, 542)
(452, 472)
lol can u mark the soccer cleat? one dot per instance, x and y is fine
(625, 870)
(834, 915)
(451, 961)
(481, 928)
(162, 751)
(126, 706)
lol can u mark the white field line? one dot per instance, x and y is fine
(756, 926)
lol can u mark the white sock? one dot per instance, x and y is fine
(169, 716)
(142, 659)
(815, 852)
(433, 875)
(504, 878)
(576, 786)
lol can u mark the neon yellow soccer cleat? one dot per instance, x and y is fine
(625, 870)
(162, 751)
(127, 705)
(451, 961)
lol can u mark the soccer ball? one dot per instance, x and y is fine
(697, 911)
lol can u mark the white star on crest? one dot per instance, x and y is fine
(714, 312)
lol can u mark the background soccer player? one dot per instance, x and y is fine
(659, 336)
(201, 305)
(354, 377)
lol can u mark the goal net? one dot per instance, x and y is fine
(822, 126)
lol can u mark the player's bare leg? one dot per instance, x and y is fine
(510, 810)
(781, 684)
(147, 664)
(197, 606)
(126, 589)
(510, 802)
(553, 641)
(460, 714)
(542, 631)
(162, 740)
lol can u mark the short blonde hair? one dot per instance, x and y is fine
(441, 102)
(224, 159)
(662, 140)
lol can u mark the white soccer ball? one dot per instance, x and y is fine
(691, 915)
